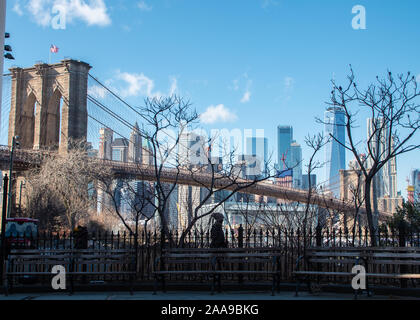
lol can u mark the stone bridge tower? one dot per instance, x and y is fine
(49, 105)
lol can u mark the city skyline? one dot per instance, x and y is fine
(168, 147)
(237, 87)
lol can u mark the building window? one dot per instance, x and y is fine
(116, 155)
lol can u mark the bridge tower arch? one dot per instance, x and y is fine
(49, 105)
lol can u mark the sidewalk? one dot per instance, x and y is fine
(184, 295)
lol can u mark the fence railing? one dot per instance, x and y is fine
(240, 237)
(291, 242)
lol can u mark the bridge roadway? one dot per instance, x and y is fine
(24, 159)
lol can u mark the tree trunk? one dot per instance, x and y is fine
(369, 213)
(186, 231)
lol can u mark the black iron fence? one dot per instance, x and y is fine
(292, 243)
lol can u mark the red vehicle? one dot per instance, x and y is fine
(20, 231)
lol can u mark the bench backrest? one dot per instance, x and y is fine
(74, 260)
(225, 255)
(393, 256)
(334, 256)
(366, 255)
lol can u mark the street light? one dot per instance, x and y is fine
(9, 56)
(15, 143)
(8, 48)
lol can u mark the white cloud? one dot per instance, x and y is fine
(126, 28)
(243, 82)
(17, 8)
(92, 12)
(142, 5)
(418, 78)
(97, 92)
(289, 83)
(267, 3)
(247, 97)
(236, 84)
(217, 113)
(288, 87)
(174, 86)
(138, 84)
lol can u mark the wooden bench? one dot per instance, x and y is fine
(400, 263)
(80, 265)
(338, 262)
(212, 264)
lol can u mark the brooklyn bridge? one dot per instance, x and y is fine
(52, 104)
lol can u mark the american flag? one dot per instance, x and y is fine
(54, 48)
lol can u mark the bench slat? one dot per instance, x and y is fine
(349, 274)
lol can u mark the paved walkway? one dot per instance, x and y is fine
(183, 295)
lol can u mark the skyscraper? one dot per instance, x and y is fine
(191, 152)
(284, 140)
(258, 147)
(385, 193)
(105, 143)
(414, 187)
(296, 164)
(387, 177)
(335, 153)
(305, 181)
(120, 150)
(135, 145)
(105, 152)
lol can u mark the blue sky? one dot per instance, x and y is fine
(258, 63)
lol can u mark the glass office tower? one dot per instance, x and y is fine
(284, 141)
(258, 147)
(335, 153)
(296, 161)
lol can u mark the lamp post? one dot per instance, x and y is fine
(15, 143)
(3, 228)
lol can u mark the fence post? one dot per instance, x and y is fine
(241, 245)
(240, 237)
(318, 236)
(340, 234)
(402, 242)
(298, 241)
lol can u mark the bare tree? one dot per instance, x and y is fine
(166, 120)
(392, 105)
(59, 188)
(357, 197)
(129, 199)
(225, 179)
(316, 143)
(251, 215)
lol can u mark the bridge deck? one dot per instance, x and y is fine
(24, 159)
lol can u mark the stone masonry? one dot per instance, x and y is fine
(49, 105)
